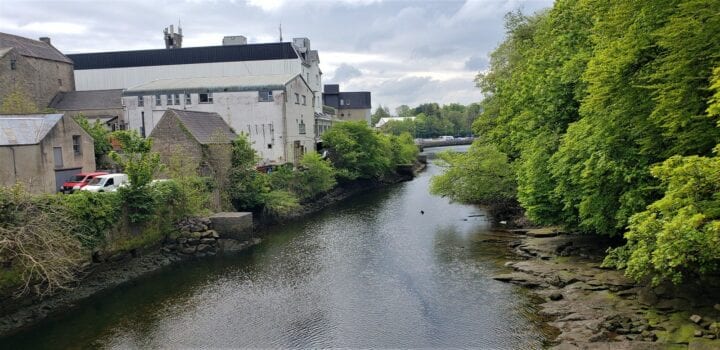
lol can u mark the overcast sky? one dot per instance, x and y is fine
(404, 52)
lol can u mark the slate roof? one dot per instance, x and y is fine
(26, 129)
(84, 100)
(354, 100)
(213, 84)
(189, 55)
(205, 127)
(32, 48)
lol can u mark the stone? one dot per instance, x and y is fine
(202, 248)
(698, 333)
(696, 318)
(716, 307)
(188, 250)
(555, 296)
(182, 240)
(236, 225)
(709, 336)
(193, 241)
(542, 232)
(172, 246)
(207, 241)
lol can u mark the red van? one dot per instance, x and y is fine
(79, 181)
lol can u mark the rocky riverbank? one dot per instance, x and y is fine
(596, 308)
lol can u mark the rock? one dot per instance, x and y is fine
(709, 336)
(193, 241)
(698, 333)
(542, 232)
(182, 240)
(203, 247)
(196, 235)
(207, 241)
(555, 296)
(696, 318)
(716, 307)
(209, 234)
(236, 225)
(172, 246)
(188, 250)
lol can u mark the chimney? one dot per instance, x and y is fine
(173, 40)
(45, 40)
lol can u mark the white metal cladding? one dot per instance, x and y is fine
(123, 78)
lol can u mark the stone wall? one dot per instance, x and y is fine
(39, 79)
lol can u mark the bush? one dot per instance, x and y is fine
(279, 203)
(40, 242)
(358, 151)
(403, 148)
(678, 235)
(94, 213)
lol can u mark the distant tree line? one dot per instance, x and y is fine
(431, 120)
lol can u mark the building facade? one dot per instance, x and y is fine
(34, 68)
(275, 111)
(43, 151)
(125, 69)
(356, 105)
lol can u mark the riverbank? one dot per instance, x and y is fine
(596, 308)
(106, 273)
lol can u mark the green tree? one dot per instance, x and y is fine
(246, 185)
(380, 112)
(18, 102)
(100, 135)
(358, 151)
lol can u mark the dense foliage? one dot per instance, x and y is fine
(431, 120)
(586, 99)
(101, 138)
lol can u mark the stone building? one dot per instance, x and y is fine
(34, 68)
(101, 105)
(195, 141)
(275, 111)
(43, 151)
(356, 105)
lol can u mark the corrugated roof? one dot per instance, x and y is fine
(189, 55)
(235, 83)
(26, 129)
(32, 48)
(82, 100)
(205, 127)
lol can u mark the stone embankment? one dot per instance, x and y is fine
(597, 308)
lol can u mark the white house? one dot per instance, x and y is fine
(275, 111)
(125, 69)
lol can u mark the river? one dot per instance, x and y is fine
(371, 271)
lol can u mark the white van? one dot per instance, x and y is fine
(106, 183)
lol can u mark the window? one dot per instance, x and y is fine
(206, 97)
(76, 144)
(269, 145)
(297, 98)
(57, 156)
(176, 99)
(304, 100)
(140, 101)
(158, 100)
(188, 100)
(265, 96)
(13, 64)
(342, 102)
(169, 99)
(301, 128)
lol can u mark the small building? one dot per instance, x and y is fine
(34, 68)
(96, 105)
(275, 111)
(355, 105)
(43, 151)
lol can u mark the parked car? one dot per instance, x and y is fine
(106, 183)
(79, 181)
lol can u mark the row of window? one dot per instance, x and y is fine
(174, 99)
(304, 99)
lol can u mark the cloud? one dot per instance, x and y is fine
(477, 63)
(345, 72)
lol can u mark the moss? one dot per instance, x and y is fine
(10, 278)
(678, 329)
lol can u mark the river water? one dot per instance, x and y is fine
(371, 271)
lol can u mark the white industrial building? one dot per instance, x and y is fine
(277, 112)
(126, 69)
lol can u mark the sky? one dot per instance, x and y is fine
(404, 52)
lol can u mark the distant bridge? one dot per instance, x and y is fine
(429, 143)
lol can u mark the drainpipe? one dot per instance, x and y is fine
(15, 172)
(285, 126)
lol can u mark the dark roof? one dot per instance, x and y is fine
(205, 127)
(83, 100)
(354, 100)
(190, 55)
(32, 48)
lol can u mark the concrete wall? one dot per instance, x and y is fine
(39, 79)
(34, 165)
(272, 127)
(346, 114)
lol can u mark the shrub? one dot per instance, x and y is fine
(358, 151)
(94, 213)
(279, 203)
